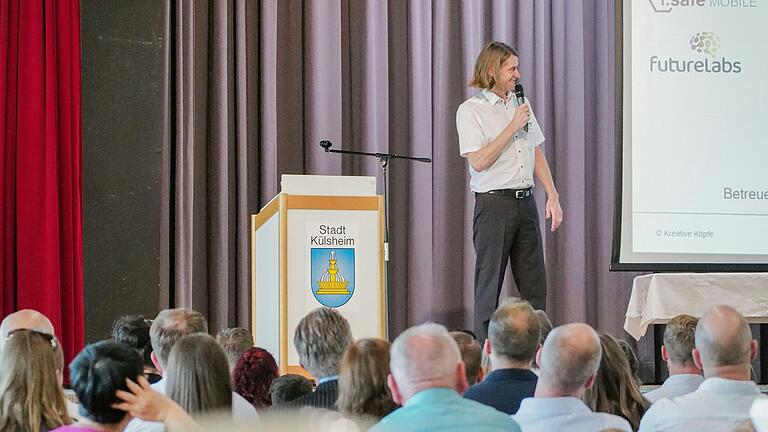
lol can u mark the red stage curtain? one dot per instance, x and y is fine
(41, 261)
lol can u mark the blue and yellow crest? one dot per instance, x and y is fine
(333, 275)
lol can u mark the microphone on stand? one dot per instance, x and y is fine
(326, 145)
(520, 95)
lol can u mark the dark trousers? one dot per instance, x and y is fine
(506, 228)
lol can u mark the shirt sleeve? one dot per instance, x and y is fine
(470, 133)
(535, 135)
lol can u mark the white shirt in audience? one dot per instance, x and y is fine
(718, 405)
(243, 413)
(73, 409)
(674, 386)
(564, 414)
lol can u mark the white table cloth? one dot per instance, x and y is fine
(656, 298)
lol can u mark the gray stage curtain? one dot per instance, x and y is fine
(255, 85)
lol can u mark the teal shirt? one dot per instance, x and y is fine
(443, 409)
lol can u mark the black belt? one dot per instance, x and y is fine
(517, 193)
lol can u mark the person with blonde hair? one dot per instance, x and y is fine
(363, 391)
(677, 352)
(724, 350)
(500, 138)
(615, 390)
(31, 398)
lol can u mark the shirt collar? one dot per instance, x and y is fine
(326, 379)
(729, 386)
(684, 379)
(493, 98)
(511, 374)
(554, 405)
(433, 396)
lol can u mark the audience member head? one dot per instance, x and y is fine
(252, 376)
(568, 361)
(234, 341)
(513, 335)
(724, 344)
(98, 371)
(634, 363)
(425, 356)
(615, 390)
(24, 319)
(198, 375)
(471, 355)
(31, 398)
(133, 330)
(545, 325)
(286, 388)
(677, 350)
(320, 339)
(170, 326)
(363, 390)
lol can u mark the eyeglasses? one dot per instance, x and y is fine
(48, 337)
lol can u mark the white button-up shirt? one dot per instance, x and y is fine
(479, 120)
(718, 405)
(564, 414)
(674, 386)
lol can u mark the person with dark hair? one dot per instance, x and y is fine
(471, 355)
(133, 330)
(97, 373)
(363, 391)
(253, 375)
(234, 341)
(287, 388)
(31, 398)
(513, 337)
(615, 390)
(321, 338)
(501, 141)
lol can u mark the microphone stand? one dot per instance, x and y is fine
(383, 159)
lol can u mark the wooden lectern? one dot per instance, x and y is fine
(319, 242)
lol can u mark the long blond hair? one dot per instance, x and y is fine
(615, 390)
(488, 65)
(31, 398)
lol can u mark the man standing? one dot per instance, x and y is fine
(500, 139)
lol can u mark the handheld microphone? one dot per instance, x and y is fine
(520, 95)
(326, 144)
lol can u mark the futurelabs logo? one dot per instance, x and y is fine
(704, 43)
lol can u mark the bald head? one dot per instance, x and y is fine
(723, 338)
(424, 356)
(570, 356)
(24, 319)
